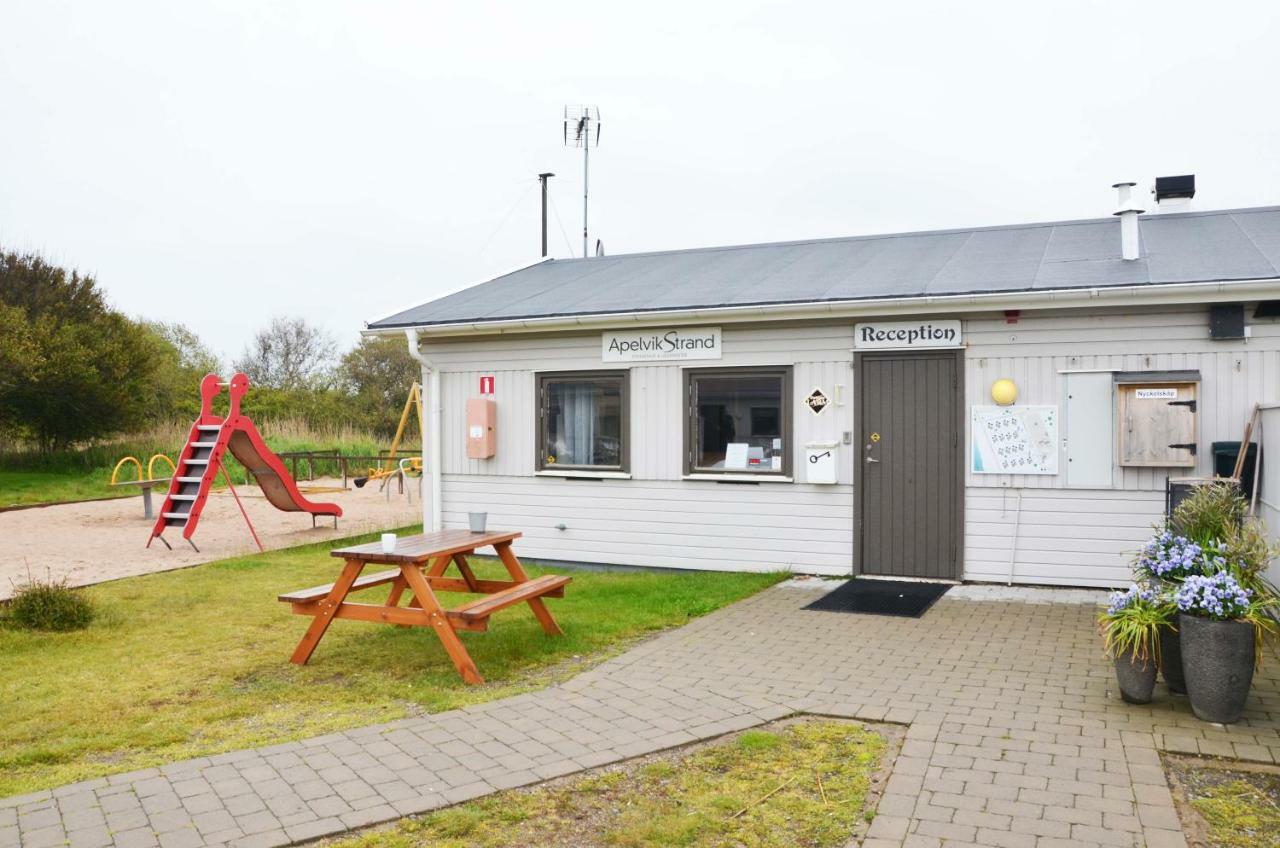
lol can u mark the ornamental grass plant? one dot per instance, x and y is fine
(1131, 624)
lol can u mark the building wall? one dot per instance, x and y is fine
(1269, 484)
(1031, 528)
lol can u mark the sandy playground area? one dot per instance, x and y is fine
(105, 540)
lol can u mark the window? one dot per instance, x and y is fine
(738, 421)
(582, 421)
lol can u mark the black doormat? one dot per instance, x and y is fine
(882, 597)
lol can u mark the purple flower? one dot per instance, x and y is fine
(1120, 601)
(1218, 596)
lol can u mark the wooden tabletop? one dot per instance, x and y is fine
(425, 546)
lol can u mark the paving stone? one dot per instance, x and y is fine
(315, 829)
(141, 837)
(47, 836)
(257, 822)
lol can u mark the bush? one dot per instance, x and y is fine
(49, 605)
(1210, 513)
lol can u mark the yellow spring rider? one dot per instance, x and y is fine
(145, 483)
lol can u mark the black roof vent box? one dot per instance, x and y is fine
(1171, 187)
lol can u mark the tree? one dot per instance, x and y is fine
(182, 359)
(193, 354)
(378, 372)
(289, 354)
(74, 368)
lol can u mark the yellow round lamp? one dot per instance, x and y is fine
(1004, 392)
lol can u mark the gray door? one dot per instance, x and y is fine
(912, 483)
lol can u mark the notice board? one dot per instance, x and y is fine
(1014, 440)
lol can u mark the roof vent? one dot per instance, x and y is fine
(1175, 188)
(1128, 210)
(1173, 194)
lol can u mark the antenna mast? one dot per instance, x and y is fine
(582, 129)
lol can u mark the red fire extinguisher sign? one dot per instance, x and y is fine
(486, 385)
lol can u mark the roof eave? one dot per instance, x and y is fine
(1131, 295)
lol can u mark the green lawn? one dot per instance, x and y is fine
(31, 487)
(195, 662)
(720, 795)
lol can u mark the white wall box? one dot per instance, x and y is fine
(820, 462)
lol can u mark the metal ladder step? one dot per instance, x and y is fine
(182, 497)
(209, 428)
(190, 479)
(196, 461)
(203, 444)
(181, 516)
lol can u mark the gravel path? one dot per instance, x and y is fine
(105, 540)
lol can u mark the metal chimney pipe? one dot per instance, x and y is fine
(542, 178)
(1128, 210)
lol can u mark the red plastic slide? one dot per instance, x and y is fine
(201, 460)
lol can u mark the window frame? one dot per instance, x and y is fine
(541, 378)
(785, 416)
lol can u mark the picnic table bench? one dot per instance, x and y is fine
(421, 562)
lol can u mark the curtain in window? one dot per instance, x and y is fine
(578, 407)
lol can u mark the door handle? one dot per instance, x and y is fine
(872, 459)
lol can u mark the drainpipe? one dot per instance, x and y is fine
(431, 512)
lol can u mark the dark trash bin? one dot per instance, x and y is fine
(1225, 455)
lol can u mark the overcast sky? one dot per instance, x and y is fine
(219, 163)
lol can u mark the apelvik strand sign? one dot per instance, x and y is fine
(660, 344)
(906, 335)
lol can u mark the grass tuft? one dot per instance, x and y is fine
(49, 605)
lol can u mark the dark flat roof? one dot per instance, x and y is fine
(1213, 246)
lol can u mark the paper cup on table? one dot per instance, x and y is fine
(388, 543)
(477, 520)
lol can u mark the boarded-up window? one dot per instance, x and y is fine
(1157, 421)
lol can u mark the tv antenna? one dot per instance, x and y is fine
(582, 129)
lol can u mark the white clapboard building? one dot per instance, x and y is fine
(994, 404)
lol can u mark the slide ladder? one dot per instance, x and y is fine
(200, 461)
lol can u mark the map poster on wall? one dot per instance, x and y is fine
(1015, 440)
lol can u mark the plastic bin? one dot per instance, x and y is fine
(1225, 455)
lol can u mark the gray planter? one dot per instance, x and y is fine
(1137, 678)
(1171, 660)
(1217, 659)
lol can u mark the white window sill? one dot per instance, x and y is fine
(740, 478)
(586, 472)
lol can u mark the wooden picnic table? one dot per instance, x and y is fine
(421, 562)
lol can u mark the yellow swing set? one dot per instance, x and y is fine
(391, 466)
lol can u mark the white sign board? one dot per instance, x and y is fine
(906, 335)
(658, 345)
(1015, 440)
(1156, 394)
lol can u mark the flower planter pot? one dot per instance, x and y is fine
(1137, 678)
(1218, 660)
(1171, 660)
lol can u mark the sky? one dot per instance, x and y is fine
(220, 163)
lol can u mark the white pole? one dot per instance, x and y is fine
(432, 514)
(586, 158)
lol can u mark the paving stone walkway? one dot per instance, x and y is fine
(1015, 736)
